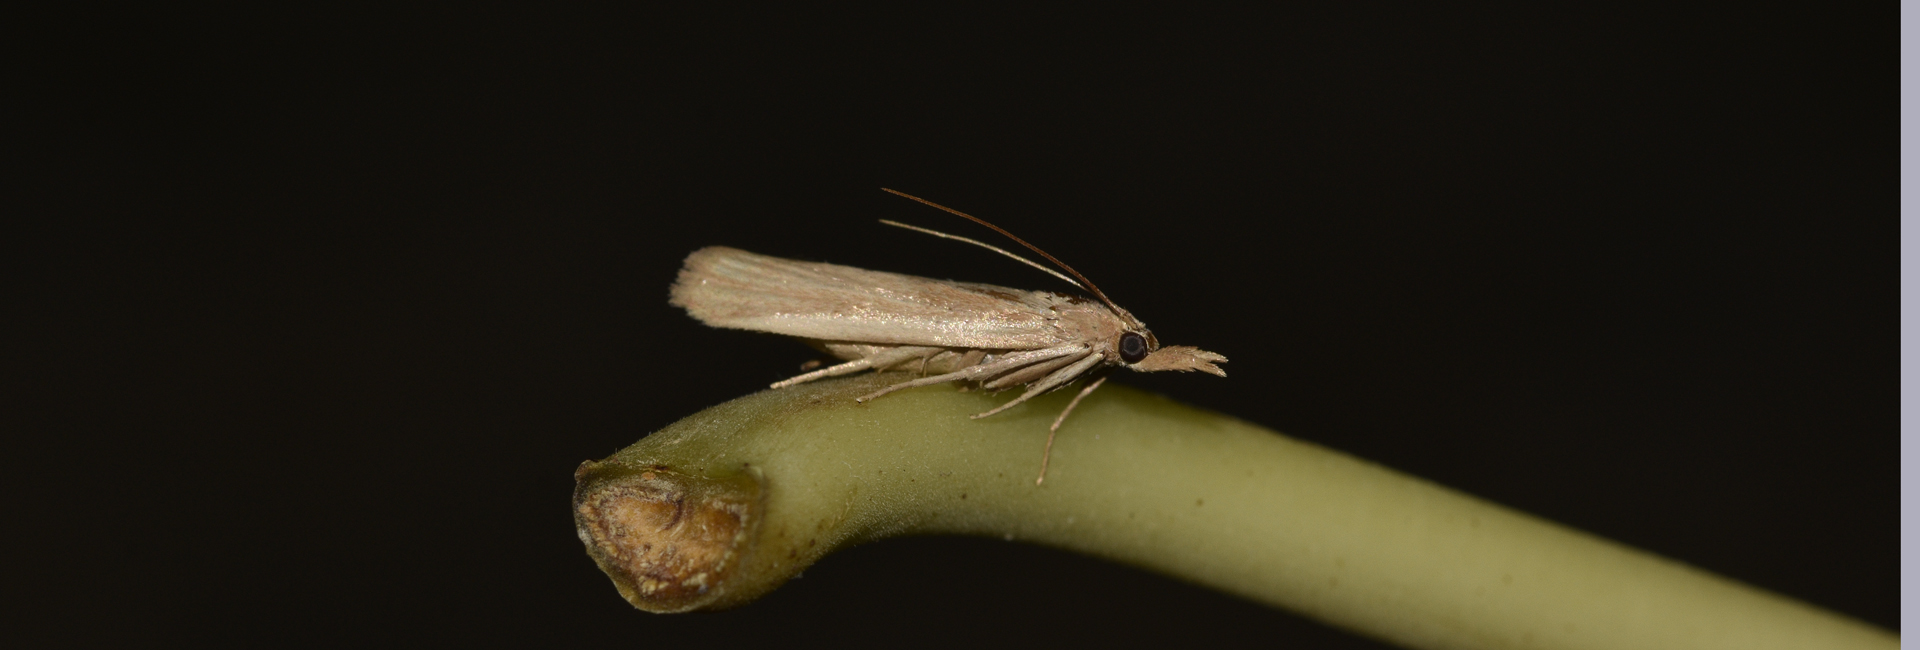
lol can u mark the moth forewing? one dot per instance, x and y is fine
(992, 336)
(732, 288)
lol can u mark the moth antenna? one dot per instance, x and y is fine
(984, 245)
(1056, 261)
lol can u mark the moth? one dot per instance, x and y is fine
(993, 337)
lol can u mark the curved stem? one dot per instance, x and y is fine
(729, 503)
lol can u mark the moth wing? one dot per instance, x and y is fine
(732, 288)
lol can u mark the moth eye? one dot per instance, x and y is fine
(1133, 347)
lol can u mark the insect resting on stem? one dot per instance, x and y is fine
(995, 337)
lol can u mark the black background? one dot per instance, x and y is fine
(322, 311)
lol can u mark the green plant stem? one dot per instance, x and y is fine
(729, 503)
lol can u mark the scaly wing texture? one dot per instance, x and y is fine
(732, 288)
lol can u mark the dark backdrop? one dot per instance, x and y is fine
(322, 311)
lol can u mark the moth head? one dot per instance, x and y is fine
(1184, 358)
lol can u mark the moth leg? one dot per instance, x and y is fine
(957, 375)
(924, 381)
(1002, 364)
(1048, 454)
(1052, 381)
(1026, 375)
(855, 365)
(876, 360)
(970, 359)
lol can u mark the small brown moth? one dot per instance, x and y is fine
(995, 337)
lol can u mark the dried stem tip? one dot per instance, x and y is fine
(668, 539)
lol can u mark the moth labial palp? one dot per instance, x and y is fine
(991, 336)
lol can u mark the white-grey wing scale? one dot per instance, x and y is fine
(732, 288)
